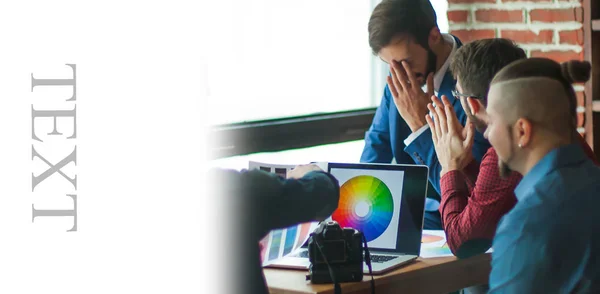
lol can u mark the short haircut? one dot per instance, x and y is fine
(411, 18)
(544, 106)
(475, 64)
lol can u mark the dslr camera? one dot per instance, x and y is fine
(335, 254)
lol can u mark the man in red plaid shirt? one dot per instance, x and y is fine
(474, 195)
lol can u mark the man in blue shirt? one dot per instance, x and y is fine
(550, 241)
(404, 34)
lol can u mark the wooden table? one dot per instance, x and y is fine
(425, 275)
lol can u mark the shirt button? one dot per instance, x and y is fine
(418, 157)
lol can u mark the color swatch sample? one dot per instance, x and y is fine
(426, 238)
(290, 238)
(433, 244)
(365, 204)
(282, 242)
(275, 244)
(430, 252)
(305, 230)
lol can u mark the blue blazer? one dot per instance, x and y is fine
(385, 138)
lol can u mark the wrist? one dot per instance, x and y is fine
(448, 168)
(415, 125)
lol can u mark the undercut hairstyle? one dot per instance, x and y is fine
(476, 63)
(410, 18)
(555, 108)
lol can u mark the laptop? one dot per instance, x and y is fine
(386, 202)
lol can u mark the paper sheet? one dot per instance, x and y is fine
(433, 244)
(282, 242)
(279, 169)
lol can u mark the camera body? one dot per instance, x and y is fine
(343, 250)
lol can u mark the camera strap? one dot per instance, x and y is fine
(368, 262)
(337, 287)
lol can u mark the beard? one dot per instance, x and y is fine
(503, 167)
(431, 63)
(504, 170)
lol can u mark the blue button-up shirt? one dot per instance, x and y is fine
(550, 241)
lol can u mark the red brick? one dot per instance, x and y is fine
(571, 37)
(580, 119)
(528, 0)
(580, 98)
(458, 16)
(527, 37)
(471, 1)
(556, 15)
(494, 15)
(558, 56)
(469, 35)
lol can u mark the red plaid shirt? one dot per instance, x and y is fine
(474, 200)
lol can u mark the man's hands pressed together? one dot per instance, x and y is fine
(453, 143)
(409, 98)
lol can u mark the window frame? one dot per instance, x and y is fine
(288, 133)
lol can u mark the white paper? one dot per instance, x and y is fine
(279, 169)
(434, 244)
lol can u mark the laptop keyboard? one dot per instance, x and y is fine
(374, 258)
(382, 258)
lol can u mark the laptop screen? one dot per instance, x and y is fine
(383, 201)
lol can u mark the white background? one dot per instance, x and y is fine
(144, 224)
(394, 180)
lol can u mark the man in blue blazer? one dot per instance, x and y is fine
(404, 34)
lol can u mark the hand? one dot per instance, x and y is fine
(409, 98)
(301, 170)
(453, 143)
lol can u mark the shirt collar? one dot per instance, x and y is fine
(555, 159)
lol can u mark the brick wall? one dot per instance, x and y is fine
(544, 28)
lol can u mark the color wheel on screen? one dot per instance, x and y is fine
(365, 204)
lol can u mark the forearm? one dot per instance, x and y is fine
(478, 238)
(454, 195)
(470, 173)
(422, 151)
(377, 148)
(471, 215)
(273, 202)
(313, 197)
